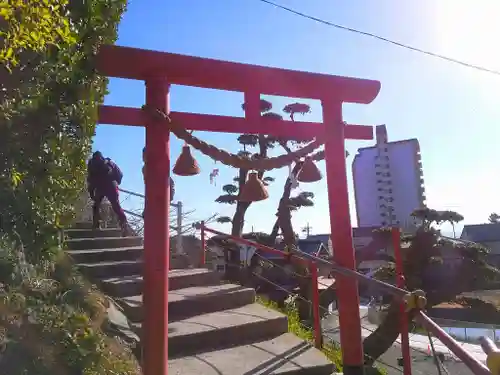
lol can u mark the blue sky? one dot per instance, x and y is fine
(452, 110)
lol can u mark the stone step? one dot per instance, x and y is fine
(186, 278)
(222, 329)
(284, 355)
(188, 302)
(82, 225)
(103, 243)
(132, 285)
(122, 286)
(106, 255)
(92, 233)
(105, 270)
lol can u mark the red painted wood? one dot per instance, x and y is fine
(134, 63)
(215, 123)
(156, 235)
(341, 235)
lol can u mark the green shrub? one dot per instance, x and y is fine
(48, 114)
(51, 315)
(50, 318)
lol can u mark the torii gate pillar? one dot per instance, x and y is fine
(156, 232)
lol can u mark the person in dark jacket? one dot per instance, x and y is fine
(103, 178)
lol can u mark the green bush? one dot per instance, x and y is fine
(50, 318)
(55, 319)
(48, 113)
(31, 25)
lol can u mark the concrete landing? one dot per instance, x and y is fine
(285, 354)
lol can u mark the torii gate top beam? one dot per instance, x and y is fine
(133, 63)
(139, 64)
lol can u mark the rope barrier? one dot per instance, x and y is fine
(233, 160)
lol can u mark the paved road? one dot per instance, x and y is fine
(422, 363)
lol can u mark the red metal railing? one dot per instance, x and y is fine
(398, 292)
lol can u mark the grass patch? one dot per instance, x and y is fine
(331, 351)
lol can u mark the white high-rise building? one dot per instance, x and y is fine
(388, 182)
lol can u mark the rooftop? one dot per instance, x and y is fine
(489, 232)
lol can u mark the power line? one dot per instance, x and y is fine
(381, 38)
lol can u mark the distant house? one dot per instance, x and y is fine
(361, 237)
(370, 253)
(247, 252)
(314, 247)
(487, 235)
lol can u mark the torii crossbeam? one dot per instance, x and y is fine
(159, 70)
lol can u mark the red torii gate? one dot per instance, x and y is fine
(159, 70)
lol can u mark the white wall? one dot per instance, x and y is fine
(365, 188)
(405, 179)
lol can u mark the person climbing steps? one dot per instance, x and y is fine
(103, 179)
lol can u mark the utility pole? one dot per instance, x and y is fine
(307, 230)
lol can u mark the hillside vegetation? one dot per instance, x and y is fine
(51, 320)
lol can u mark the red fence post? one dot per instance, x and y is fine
(318, 335)
(156, 233)
(404, 326)
(341, 233)
(203, 244)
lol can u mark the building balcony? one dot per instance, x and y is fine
(382, 199)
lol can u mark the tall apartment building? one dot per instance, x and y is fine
(388, 182)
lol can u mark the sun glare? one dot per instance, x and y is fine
(469, 30)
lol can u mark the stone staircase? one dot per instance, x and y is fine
(215, 328)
